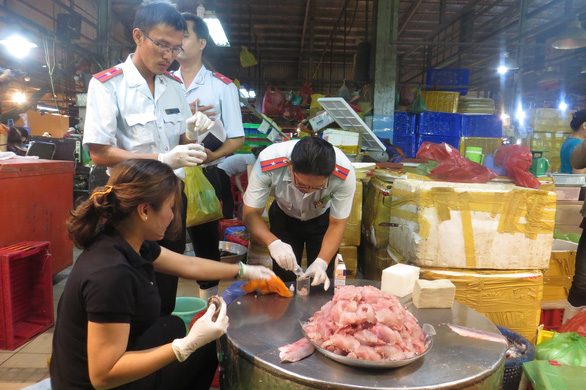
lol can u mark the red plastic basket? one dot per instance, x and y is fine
(551, 318)
(26, 292)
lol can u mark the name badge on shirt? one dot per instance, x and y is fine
(170, 111)
(323, 201)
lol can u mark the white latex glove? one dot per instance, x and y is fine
(199, 123)
(203, 331)
(283, 255)
(317, 270)
(256, 272)
(180, 156)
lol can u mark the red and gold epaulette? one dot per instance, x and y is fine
(269, 165)
(340, 172)
(174, 77)
(222, 77)
(107, 74)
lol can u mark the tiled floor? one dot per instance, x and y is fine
(28, 364)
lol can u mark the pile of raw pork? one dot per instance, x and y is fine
(366, 323)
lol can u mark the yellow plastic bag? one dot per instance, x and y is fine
(247, 58)
(202, 203)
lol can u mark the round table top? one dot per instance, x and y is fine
(261, 324)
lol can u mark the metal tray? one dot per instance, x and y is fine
(428, 331)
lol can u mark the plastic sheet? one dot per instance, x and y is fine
(517, 160)
(452, 166)
(575, 324)
(564, 348)
(544, 375)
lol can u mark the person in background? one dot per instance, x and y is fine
(137, 110)
(217, 96)
(109, 331)
(577, 295)
(313, 184)
(578, 125)
(235, 165)
(15, 140)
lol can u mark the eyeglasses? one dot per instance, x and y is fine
(307, 188)
(163, 49)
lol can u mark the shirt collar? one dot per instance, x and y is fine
(135, 259)
(133, 75)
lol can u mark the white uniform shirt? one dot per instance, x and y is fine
(237, 163)
(224, 98)
(122, 112)
(337, 195)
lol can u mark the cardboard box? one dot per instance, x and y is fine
(557, 279)
(475, 226)
(508, 298)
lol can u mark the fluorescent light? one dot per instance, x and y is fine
(502, 69)
(18, 46)
(47, 108)
(563, 106)
(520, 115)
(19, 97)
(216, 31)
(247, 94)
(252, 94)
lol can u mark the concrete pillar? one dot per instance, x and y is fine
(385, 78)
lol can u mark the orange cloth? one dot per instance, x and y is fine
(273, 285)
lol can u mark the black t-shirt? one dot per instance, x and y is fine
(109, 283)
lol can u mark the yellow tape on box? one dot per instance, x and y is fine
(462, 225)
(511, 299)
(557, 280)
(376, 211)
(352, 233)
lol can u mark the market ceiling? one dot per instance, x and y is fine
(317, 40)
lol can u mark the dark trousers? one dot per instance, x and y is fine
(577, 295)
(167, 284)
(197, 372)
(298, 234)
(205, 237)
(226, 194)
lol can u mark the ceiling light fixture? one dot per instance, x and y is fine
(216, 31)
(18, 46)
(19, 97)
(573, 36)
(41, 107)
(506, 64)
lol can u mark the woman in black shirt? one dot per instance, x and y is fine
(108, 331)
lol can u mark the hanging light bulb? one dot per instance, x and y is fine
(572, 36)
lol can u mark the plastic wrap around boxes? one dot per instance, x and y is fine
(508, 298)
(557, 280)
(483, 226)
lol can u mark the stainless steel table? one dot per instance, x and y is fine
(259, 325)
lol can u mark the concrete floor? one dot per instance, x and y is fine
(29, 364)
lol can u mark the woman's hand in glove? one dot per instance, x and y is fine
(203, 331)
(256, 272)
(317, 270)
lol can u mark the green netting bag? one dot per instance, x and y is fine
(418, 105)
(564, 348)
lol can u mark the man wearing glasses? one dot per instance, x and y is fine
(137, 110)
(313, 184)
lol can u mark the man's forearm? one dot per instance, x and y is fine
(256, 226)
(228, 147)
(332, 239)
(109, 156)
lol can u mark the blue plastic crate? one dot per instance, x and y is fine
(438, 139)
(407, 143)
(439, 123)
(443, 79)
(482, 126)
(405, 123)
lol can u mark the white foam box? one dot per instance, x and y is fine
(472, 226)
(341, 137)
(399, 279)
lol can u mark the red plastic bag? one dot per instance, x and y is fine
(273, 102)
(406, 96)
(305, 92)
(517, 159)
(575, 324)
(294, 113)
(452, 166)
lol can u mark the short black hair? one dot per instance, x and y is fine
(313, 156)
(256, 150)
(578, 118)
(14, 136)
(200, 28)
(152, 13)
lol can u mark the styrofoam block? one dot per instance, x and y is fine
(399, 279)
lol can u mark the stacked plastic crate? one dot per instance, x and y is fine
(253, 138)
(404, 133)
(550, 128)
(481, 130)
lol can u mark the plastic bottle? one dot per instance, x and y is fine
(339, 273)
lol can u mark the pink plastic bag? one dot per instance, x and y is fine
(452, 166)
(517, 160)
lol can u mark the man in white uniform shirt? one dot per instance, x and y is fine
(217, 96)
(137, 110)
(313, 184)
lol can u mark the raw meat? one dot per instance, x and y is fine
(292, 353)
(366, 323)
